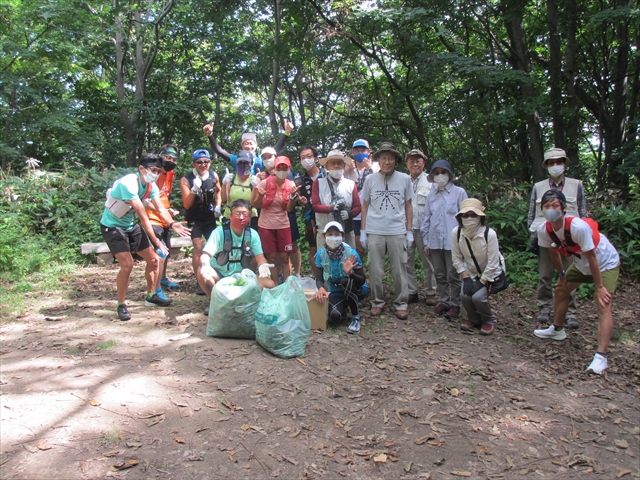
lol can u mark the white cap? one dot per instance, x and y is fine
(270, 150)
(333, 225)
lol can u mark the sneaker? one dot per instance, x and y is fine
(156, 301)
(123, 313)
(453, 312)
(468, 326)
(199, 290)
(551, 333)
(165, 282)
(487, 328)
(354, 326)
(572, 323)
(544, 317)
(440, 309)
(161, 295)
(598, 364)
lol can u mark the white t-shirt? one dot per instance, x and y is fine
(582, 235)
(386, 197)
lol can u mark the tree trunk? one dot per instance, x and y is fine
(276, 70)
(555, 72)
(570, 80)
(7, 127)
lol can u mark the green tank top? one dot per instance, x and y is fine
(239, 191)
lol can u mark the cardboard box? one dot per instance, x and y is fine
(317, 311)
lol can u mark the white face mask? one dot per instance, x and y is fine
(337, 174)
(268, 164)
(308, 163)
(442, 179)
(150, 177)
(280, 174)
(556, 171)
(471, 223)
(552, 215)
(333, 242)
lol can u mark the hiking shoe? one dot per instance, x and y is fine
(402, 314)
(468, 326)
(161, 295)
(453, 312)
(156, 301)
(123, 313)
(431, 300)
(440, 309)
(598, 364)
(165, 282)
(413, 298)
(354, 326)
(572, 323)
(199, 290)
(551, 333)
(376, 311)
(544, 317)
(487, 328)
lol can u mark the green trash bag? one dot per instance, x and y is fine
(234, 303)
(283, 323)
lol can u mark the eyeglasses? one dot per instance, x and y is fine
(240, 214)
(469, 215)
(202, 162)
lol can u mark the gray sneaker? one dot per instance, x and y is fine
(354, 327)
(572, 323)
(544, 317)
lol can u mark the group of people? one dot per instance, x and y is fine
(355, 207)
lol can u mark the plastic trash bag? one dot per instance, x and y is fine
(308, 283)
(234, 303)
(283, 323)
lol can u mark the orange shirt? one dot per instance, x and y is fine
(165, 186)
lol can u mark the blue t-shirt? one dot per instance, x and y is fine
(336, 272)
(126, 189)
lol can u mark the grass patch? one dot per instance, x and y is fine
(73, 350)
(106, 345)
(112, 435)
(624, 337)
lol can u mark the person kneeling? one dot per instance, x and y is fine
(231, 248)
(339, 268)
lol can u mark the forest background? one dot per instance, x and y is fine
(86, 87)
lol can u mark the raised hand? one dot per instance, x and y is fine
(208, 129)
(350, 264)
(288, 126)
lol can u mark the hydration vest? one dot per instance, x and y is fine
(569, 247)
(272, 189)
(223, 257)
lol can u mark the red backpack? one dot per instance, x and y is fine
(569, 247)
(272, 189)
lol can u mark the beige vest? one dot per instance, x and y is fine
(343, 189)
(570, 191)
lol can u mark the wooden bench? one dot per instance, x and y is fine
(104, 257)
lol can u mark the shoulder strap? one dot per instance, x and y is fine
(552, 234)
(567, 231)
(473, 257)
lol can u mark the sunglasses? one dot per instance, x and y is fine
(202, 162)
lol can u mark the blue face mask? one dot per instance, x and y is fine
(360, 157)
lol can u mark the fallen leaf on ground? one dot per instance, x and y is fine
(95, 403)
(202, 429)
(134, 444)
(407, 467)
(425, 439)
(151, 415)
(156, 421)
(622, 444)
(178, 439)
(461, 474)
(42, 445)
(124, 465)
(623, 473)
(301, 361)
(178, 403)
(380, 458)
(112, 453)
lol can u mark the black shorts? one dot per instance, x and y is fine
(356, 227)
(202, 229)
(119, 240)
(293, 225)
(310, 232)
(163, 234)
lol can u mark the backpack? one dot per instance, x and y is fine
(119, 208)
(271, 191)
(223, 256)
(569, 247)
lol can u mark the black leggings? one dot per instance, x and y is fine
(349, 297)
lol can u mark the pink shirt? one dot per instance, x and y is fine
(274, 217)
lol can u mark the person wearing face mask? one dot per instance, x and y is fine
(248, 142)
(596, 261)
(477, 259)
(202, 201)
(124, 237)
(438, 220)
(170, 154)
(340, 278)
(233, 247)
(239, 185)
(358, 172)
(309, 161)
(335, 198)
(275, 196)
(387, 228)
(555, 162)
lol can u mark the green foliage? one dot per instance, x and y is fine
(622, 228)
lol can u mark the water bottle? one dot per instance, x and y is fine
(160, 254)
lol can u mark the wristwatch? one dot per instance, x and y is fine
(562, 274)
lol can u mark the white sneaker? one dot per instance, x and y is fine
(598, 364)
(551, 333)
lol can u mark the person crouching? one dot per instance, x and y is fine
(339, 269)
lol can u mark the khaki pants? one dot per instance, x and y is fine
(394, 246)
(427, 267)
(478, 308)
(544, 294)
(449, 282)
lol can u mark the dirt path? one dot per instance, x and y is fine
(83, 393)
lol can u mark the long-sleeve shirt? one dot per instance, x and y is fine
(487, 254)
(439, 216)
(231, 158)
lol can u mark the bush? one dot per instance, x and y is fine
(622, 228)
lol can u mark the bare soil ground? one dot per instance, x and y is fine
(84, 395)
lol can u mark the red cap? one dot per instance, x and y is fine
(280, 160)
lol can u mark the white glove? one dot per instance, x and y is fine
(217, 211)
(255, 180)
(363, 238)
(207, 272)
(409, 239)
(264, 270)
(197, 185)
(228, 177)
(344, 214)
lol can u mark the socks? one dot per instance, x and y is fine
(149, 295)
(119, 303)
(603, 354)
(557, 329)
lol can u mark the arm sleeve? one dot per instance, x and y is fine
(356, 206)
(358, 276)
(493, 267)
(315, 199)
(456, 253)
(218, 149)
(319, 277)
(280, 143)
